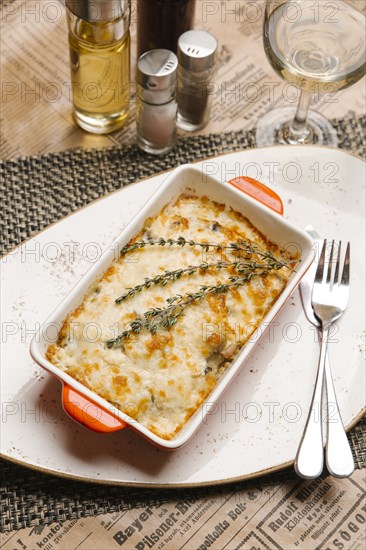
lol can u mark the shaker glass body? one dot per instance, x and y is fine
(194, 99)
(156, 127)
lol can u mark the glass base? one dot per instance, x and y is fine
(274, 128)
(153, 148)
(100, 124)
(189, 126)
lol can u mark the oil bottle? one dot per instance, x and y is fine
(99, 43)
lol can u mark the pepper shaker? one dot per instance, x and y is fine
(196, 56)
(156, 108)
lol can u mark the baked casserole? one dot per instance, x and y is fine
(155, 334)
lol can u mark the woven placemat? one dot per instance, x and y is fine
(39, 190)
(36, 191)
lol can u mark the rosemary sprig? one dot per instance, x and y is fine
(240, 246)
(170, 276)
(180, 241)
(156, 318)
(167, 317)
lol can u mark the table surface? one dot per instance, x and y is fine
(37, 111)
(37, 118)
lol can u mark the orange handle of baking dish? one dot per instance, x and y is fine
(88, 413)
(94, 417)
(259, 191)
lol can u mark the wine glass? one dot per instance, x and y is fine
(318, 46)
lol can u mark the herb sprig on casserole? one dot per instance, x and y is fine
(156, 333)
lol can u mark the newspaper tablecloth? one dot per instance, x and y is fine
(36, 87)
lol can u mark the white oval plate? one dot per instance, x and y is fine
(257, 424)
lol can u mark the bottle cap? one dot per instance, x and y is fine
(98, 10)
(196, 50)
(156, 73)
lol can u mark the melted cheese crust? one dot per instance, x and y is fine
(161, 379)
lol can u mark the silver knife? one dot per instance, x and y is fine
(309, 460)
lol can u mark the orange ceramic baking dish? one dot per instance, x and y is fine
(262, 207)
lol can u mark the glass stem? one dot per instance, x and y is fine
(299, 131)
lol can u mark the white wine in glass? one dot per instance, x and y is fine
(318, 46)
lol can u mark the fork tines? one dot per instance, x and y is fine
(325, 265)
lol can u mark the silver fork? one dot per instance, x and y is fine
(329, 301)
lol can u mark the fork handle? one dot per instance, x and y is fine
(339, 457)
(309, 460)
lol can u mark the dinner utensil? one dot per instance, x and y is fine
(317, 49)
(329, 299)
(339, 457)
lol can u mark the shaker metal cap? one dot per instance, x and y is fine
(157, 70)
(98, 10)
(196, 50)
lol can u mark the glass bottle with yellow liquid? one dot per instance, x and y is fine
(99, 41)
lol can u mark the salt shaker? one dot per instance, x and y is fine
(196, 56)
(156, 108)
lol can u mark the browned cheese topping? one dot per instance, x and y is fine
(160, 379)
